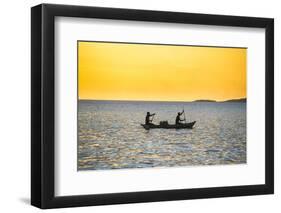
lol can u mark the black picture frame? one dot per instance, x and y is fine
(43, 102)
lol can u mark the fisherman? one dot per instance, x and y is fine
(148, 121)
(178, 118)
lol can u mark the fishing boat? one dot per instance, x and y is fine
(169, 126)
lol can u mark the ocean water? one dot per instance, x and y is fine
(110, 135)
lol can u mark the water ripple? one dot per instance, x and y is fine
(110, 135)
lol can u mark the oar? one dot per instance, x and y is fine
(184, 115)
(152, 118)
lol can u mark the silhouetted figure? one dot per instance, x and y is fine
(148, 121)
(178, 118)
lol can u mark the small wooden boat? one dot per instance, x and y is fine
(169, 126)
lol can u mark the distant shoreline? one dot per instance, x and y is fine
(239, 100)
(230, 100)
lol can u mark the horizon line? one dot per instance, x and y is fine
(196, 100)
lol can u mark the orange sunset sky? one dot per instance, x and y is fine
(123, 71)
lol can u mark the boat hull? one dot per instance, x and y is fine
(169, 126)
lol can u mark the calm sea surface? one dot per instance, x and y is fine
(110, 135)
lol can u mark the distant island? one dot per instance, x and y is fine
(237, 100)
(204, 101)
(230, 100)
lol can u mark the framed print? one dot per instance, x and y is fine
(139, 106)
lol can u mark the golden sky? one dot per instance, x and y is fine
(123, 71)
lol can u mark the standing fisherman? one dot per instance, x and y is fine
(178, 118)
(148, 121)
